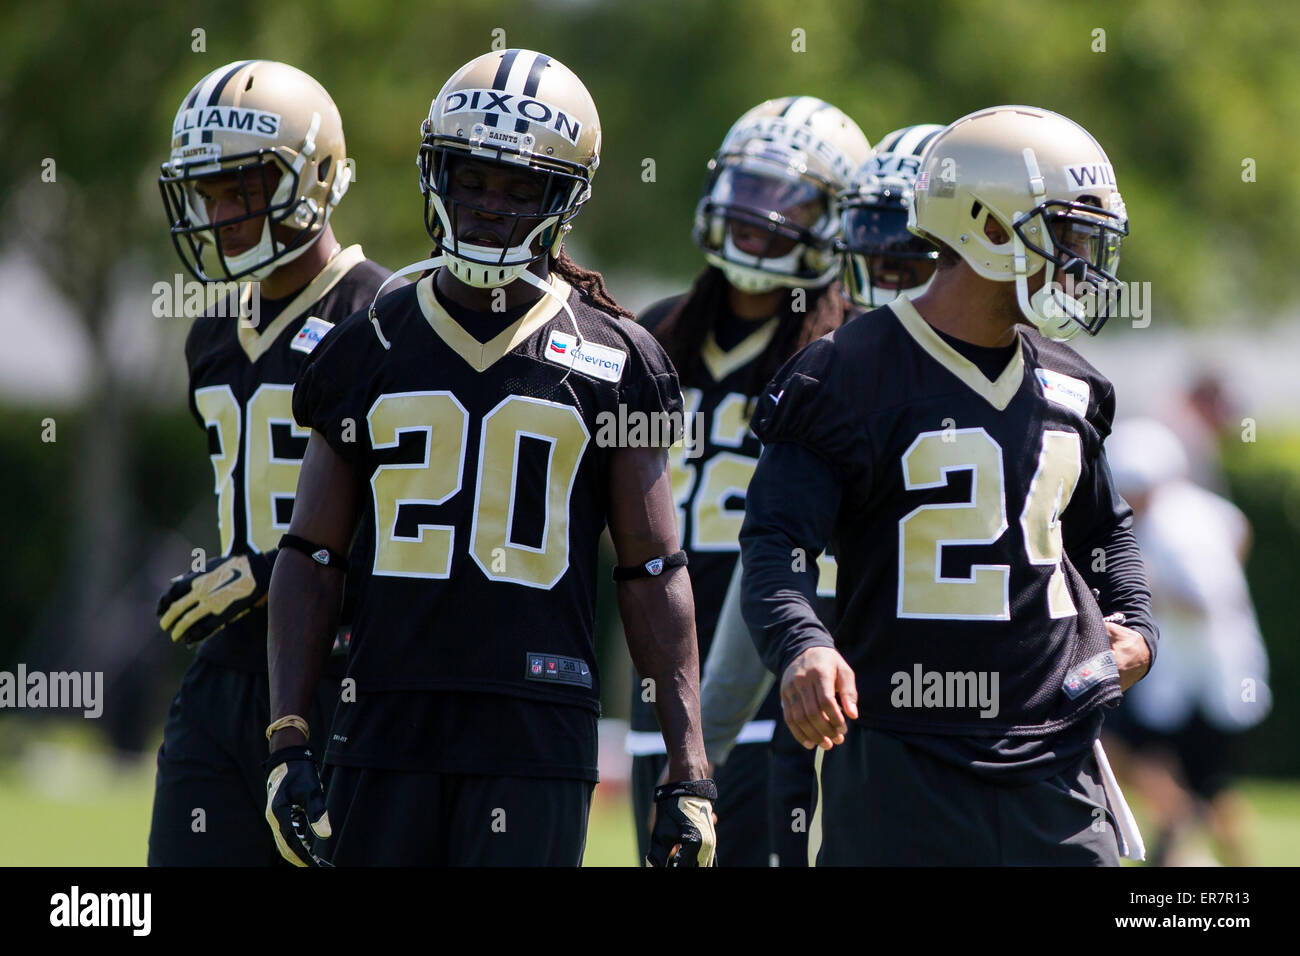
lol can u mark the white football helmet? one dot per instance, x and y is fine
(882, 259)
(522, 109)
(254, 119)
(768, 215)
(1049, 186)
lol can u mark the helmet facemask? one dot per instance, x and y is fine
(1080, 241)
(199, 240)
(767, 224)
(552, 190)
(883, 260)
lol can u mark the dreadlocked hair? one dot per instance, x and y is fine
(589, 282)
(684, 329)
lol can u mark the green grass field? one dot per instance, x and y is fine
(62, 803)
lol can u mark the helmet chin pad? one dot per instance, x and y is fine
(1049, 310)
(759, 274)
(266, 249)
(489, 267)
(480, 273)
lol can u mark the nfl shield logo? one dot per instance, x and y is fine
(536, 665)
(655, 566)
(321, 557)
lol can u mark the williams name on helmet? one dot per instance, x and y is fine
(201, 118)
(1090, 174)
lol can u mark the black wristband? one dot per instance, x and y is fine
(652, 568)
(326, 557)
(705, 789)
(286, 754)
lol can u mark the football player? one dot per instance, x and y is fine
(881, 258)
(258, 163)
(991, 595)
(463, 425)
(766, 222)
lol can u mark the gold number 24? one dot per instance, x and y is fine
(923, 591)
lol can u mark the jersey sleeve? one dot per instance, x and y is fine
(327, 396)
(1097, 529)
(649, 382)
(808, 404)
(790, 513)
(193, 352)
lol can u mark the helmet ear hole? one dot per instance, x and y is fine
(323, 169)
(994, 232)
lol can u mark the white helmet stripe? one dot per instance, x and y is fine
(910, 140)
(218, 88)
(518, 75)
(802, 109)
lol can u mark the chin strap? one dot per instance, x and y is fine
(1055, 323)
(420, 266)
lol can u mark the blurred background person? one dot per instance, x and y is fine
(767, 223)
(1181, 727)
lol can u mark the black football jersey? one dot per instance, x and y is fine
(485, 468)
(959, 606)
(710, 472)
(240, 392)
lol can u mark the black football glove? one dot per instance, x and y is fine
(683, 834)
(200, 603)
(295, 803)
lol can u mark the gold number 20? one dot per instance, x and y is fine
(434, 479)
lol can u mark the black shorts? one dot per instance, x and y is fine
(209, 806)
(882, 802)
(418, 818)
(791, 798)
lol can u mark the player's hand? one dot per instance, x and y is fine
(200, 603)
(663, 780)
(810, 687)
(295, 803)
(1132, 656)
(683, 833)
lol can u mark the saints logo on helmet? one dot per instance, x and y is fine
(1048, 188)
(255, 139)
(525, 111)
(882, 259)
(768, 214)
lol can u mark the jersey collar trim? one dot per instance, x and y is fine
(997, 393)
(721, 364)
(482, 355)
(255, 343)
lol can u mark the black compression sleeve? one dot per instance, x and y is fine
(1099, 540)
(790, 511)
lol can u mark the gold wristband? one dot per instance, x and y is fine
(289, 720)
